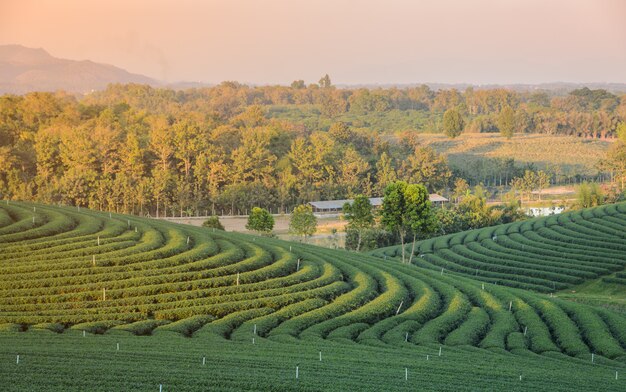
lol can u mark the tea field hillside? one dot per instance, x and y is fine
(98, 301)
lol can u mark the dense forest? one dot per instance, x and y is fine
(225, 149)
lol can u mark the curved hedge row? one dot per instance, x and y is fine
(105, 273)
(542, 254)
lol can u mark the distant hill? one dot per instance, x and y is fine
(25, 69)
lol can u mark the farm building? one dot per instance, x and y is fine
(337, 205)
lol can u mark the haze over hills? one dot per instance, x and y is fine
(25, 69)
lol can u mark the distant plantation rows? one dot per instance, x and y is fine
(66, 268)
(545, 254)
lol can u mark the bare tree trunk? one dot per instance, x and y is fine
(412, 250)
(402, 243)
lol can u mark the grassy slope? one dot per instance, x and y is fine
(599, 293)
(571, 154)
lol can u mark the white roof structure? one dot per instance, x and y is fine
(376, 202)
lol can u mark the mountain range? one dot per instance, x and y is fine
(23, 70)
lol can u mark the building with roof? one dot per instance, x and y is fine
(337, 205)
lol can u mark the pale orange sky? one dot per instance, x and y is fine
(277, 41)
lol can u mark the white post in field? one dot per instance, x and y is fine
(399, 307)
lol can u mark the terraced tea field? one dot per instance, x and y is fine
(235, 312)
(545, 254)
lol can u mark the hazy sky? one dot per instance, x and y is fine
(386, 41)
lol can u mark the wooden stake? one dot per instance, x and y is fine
(118, 347)
(442, 271)
(298, 267)
(592, 358)
(483, 286)
(406, 374)
(93, 260)
(110, 215)
(33, 219)
(135, 229)
(34, 209)
(104, 294)
(427, 357)
(17, 361)
(98, 240)
(616, 374)
(187, 240)
(237, 278)
(406, 337)
(290, 248)
(321, 361)
(203, 361)
(160, 387)
(297, 371)
(520, 377)
(252, 340)
(525, 330)
(254, 329)
(128, 222)
(510, 305)
(84, 334)
(399, 307)
(439, 350)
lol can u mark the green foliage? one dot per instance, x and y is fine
(453, 123)
(179, 283)
(260, 220)
(359, 216)
(407, 210)
(213, 222)
(370, 239)
(302, 221)
(506, 122)
(589, 195)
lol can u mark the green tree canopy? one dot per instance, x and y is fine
(359, 216)
(506, 122)
(453, 123)
(260, 220)
(407, 210)
(302, 221)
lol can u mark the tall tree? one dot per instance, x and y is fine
(359, 216)
(188, 142)
(506, 122)
(407, 210)
(385, 172)
(302, 221)
(453, 123)
(325, 82)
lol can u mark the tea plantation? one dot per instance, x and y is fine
(100, 302)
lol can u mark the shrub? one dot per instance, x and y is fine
(213, 223)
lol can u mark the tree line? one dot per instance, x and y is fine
(135, 149)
